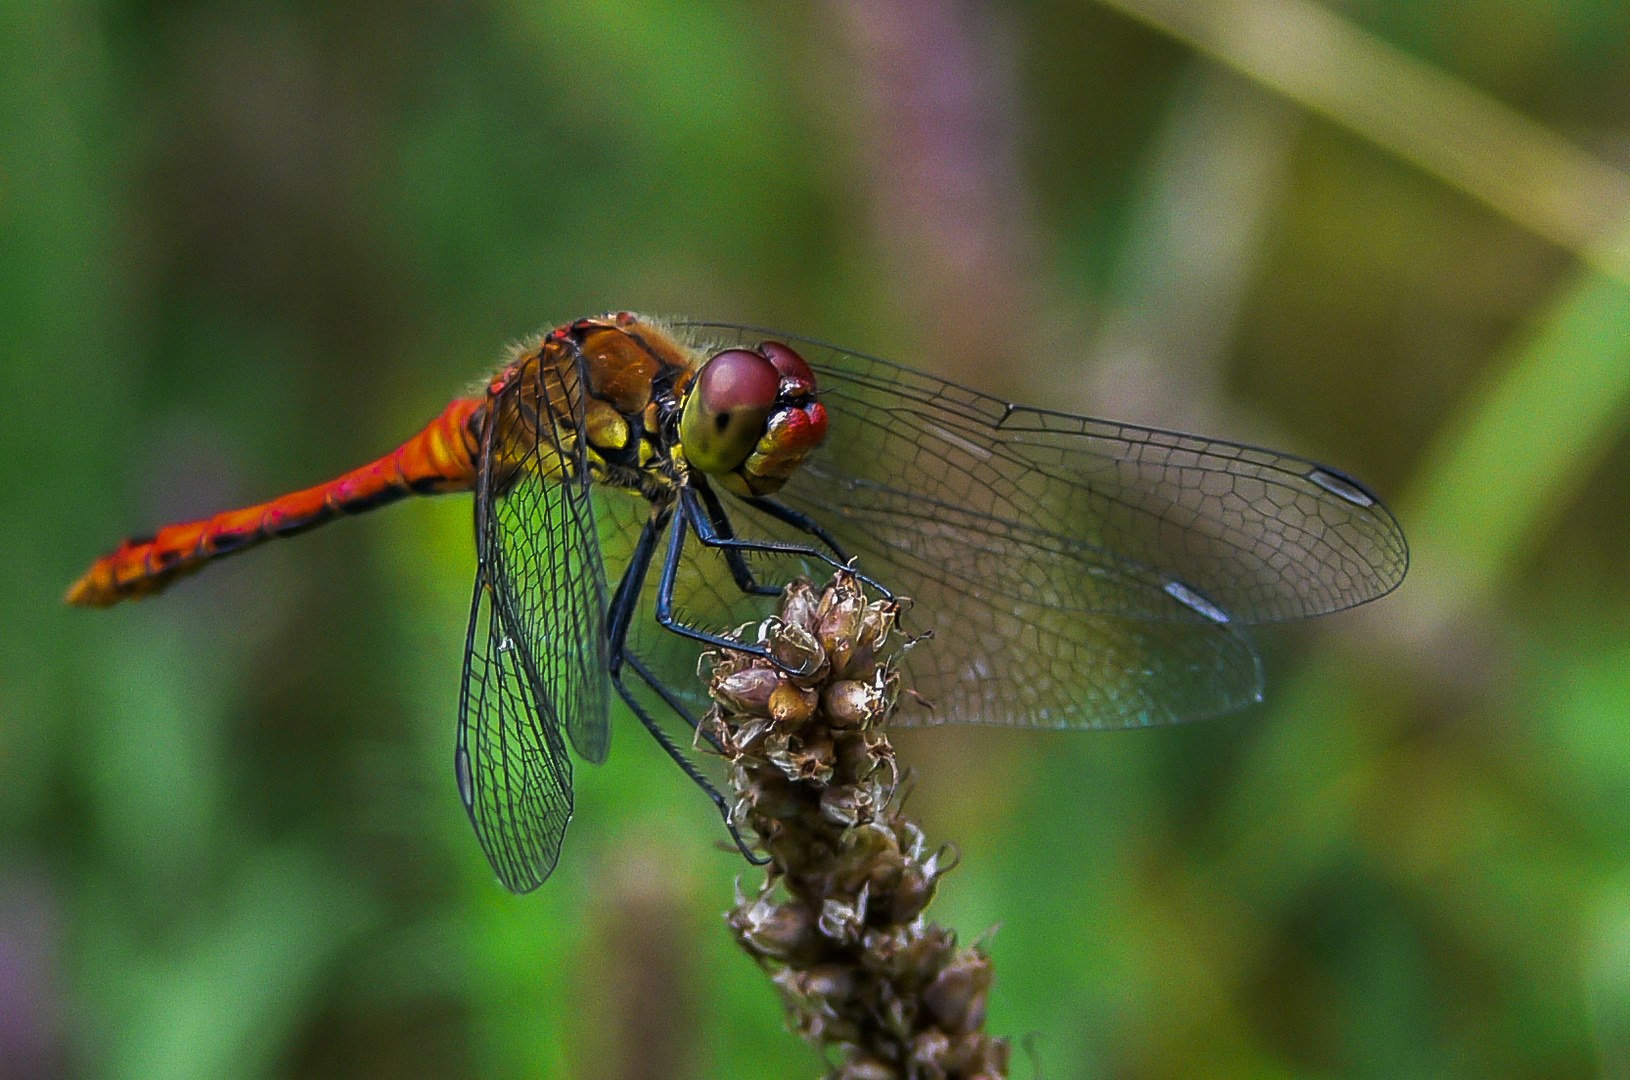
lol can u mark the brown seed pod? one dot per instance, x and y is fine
(957, 995)
(850, 703)
(798, 652)
(747, 690)
(784, 931)
(791, 705)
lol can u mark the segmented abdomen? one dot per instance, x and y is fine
(440, 458)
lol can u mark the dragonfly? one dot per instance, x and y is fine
(1063, 571)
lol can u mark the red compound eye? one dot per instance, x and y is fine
(726, 412)
(738, 379)
(789, 364)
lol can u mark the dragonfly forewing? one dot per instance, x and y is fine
(554, 595)
(1075, 572)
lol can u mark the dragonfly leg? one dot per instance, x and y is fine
(685, 763)
(692, 512)
(799, 521)
(624, 601)
(669, 698)
(665, 598)
(733, 557)
(672, 701)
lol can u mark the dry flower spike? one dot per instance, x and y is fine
(838, 922)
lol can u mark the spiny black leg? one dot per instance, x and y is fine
(669, 698)
(672, 701)
(799, 521)
(691, 508)
(720, 521)
(690, 769)
(665, 596)
(625, 601)
(690, 511)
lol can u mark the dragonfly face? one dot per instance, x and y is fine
(1070, 572)
(751, 418)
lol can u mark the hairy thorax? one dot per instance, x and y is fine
(615, 382)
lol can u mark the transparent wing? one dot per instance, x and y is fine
(1020, 663)
(1076, 572)
(535, 663)
(513, 773)
(551, 578)
(1264, 536)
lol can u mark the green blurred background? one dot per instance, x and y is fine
(245, 246)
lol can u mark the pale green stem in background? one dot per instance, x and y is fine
(1194, 240)
(1487, 491)
(1498, 473)
(1459, 134)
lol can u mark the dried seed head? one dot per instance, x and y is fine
(867, 1069)
(843, 920)
(876, 623)
(913, 892)
(838, 923)
(848, 805)
(806, 760)
(750, 733)
(976, 1056)
(883, 948)
(798, 652)
(819, 994)
(928, 1054)
(866, 755)
(839, 627)
(773, 799)
(879, 870)
(923, 955)
(800, 602)
(852, 703)
(784, 931)
(825, 983)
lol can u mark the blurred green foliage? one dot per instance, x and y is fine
(244, 246)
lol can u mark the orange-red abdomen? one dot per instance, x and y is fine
(439, 458)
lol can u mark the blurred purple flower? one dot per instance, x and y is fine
(31, 1026)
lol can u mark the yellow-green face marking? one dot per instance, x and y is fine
(727, 409)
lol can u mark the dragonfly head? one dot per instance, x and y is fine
(751, 418)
